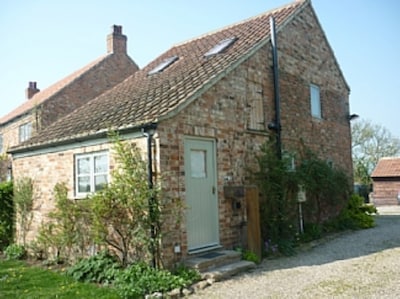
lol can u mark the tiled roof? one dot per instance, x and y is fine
(44, 95)
(387, 167)
(144, 98)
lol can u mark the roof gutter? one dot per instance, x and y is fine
(82, 138)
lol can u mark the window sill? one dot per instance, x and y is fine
(81, 197)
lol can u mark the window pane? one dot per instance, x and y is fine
(25, 132)
(221, 46)
(84, 165)
(100, 164)
(21, 134)
(100, 181)
(163, 65)
(28, 131)
(315, 101)
(198, 163)
(84, 184)
(91, 172)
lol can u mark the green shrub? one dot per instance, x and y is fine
(187, 274)
(356, 215)
(134, 281)
(248, 255)
(99, 268)
(140, 279)
(15, 252)
(6, 214)
(67, 233)
(312, 231)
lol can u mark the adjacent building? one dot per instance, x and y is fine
(42, 108)
(386, 182)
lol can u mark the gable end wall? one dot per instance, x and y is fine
(223, 112)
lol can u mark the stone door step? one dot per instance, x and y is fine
(219, 264)
(226, 271)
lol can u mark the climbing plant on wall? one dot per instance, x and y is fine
(279, 179)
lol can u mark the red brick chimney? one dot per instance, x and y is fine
(31, 90)
(116, 41)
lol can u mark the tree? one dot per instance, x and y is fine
(23, 201)
(120, 211)
(370, 142)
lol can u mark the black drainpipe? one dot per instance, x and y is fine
(276, 125)
(148, 132)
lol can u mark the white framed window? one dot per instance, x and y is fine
(91, 172)
(25, 131)
(315, 100)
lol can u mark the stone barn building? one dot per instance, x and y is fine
(205, 106)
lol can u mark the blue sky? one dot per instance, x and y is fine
(45, 40)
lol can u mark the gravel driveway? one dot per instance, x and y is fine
(361, 264)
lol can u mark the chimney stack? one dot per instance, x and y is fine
(31, 90)
(116, 41)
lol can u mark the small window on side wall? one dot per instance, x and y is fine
(91, 173)
(315, 100)
(25, 132)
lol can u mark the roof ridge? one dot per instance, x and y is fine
(37, 98)
(390, 158)
(260, 15)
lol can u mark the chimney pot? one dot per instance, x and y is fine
(117, 29)
(31, 90)
(116, 41)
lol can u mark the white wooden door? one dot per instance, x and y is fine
(201, 194)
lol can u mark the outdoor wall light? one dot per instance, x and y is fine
(352, 117)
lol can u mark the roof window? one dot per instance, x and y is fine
(163, 65)
(221, 46)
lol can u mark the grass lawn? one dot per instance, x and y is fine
(20, 280)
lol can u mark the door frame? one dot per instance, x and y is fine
(213, 172)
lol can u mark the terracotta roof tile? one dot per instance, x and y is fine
(387, 167)
(42, 96)
(143, 98)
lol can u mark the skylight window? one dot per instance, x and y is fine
(221, 46)
(163, 65)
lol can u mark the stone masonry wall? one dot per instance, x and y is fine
(46, 170)
(113, 70)
(11, 131)
(109, 72)
(306, 58)
(223, 112)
